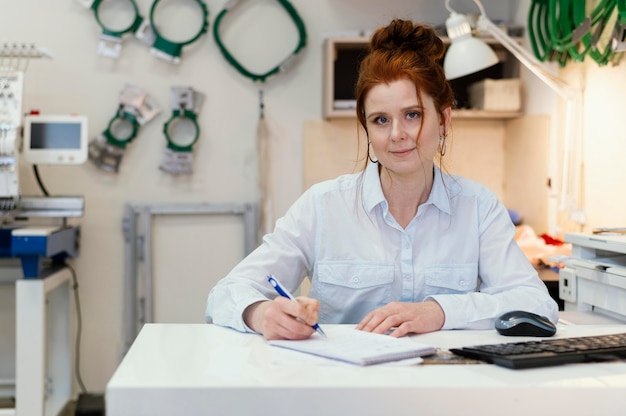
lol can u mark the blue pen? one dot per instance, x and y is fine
(285, 293)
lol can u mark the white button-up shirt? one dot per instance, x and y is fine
(458, 250)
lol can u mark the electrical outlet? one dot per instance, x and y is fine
(567, 284)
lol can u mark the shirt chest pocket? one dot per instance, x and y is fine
(341, 286)
(451, 278)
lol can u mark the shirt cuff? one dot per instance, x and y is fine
(241, 307)
(455, 314)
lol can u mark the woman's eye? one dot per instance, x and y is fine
(381, 120)
(413, 115)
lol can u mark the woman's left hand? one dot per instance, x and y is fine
(405, 318)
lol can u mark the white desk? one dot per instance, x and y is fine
(196, 369)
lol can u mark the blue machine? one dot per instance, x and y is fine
(33, 245)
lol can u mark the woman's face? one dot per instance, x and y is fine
(393, 116)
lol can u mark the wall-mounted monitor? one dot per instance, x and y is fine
(55, 139)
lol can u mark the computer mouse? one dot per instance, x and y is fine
(522, 323)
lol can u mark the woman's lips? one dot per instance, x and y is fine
(402, 152)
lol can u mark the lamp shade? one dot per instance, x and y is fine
(466, 54)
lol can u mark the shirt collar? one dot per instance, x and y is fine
(444, 188)
(372, 189)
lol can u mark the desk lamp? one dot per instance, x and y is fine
(464, 57)
(466, 54)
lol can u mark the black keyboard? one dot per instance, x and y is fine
(547, 352)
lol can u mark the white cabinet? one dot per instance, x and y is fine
(43, 344)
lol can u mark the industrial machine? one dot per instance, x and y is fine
(35, 228)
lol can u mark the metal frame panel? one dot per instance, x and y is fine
(137, 225)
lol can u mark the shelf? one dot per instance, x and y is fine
(484, 115)
(342, 56)
(456, 114)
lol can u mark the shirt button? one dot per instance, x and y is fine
(354, 279)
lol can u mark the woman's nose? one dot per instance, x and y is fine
(398, 132)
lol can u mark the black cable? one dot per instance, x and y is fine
(41, 185)
(79, 328)
(79, 320)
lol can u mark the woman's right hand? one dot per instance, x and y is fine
(283, 318)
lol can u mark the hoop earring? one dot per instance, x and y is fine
(368, 153)
(442, 144)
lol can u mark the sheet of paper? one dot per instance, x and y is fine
(358, 347)
(286, 357)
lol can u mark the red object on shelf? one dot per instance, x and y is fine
(551, 241)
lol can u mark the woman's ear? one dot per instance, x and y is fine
(446, 119)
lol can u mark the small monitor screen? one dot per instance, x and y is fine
(55, 135)
(55, 139)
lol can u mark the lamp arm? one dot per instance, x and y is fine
(572, 97)
(573, 125)
(564, 90)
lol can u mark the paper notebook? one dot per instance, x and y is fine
(358, 347)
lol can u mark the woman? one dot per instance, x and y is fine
(401, 245)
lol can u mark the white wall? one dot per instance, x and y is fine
(603, 136)
(604, 146)
(77, 80)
